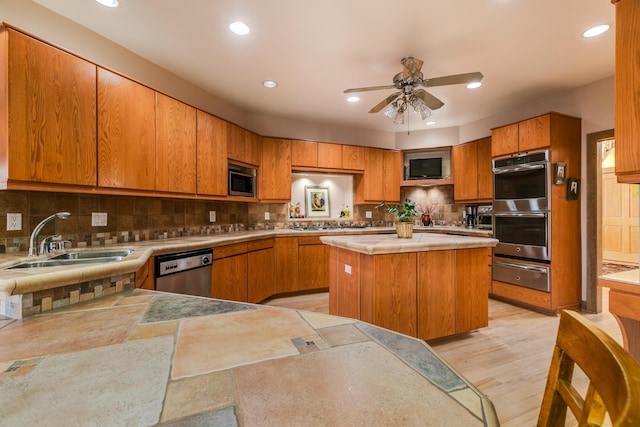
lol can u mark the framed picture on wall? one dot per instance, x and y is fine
(317, 202)
(560, 172)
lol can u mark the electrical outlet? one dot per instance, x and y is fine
(98, 219)
(347, 268)
(14, 221)
(267, 216)
(367, 214)
(212, 216)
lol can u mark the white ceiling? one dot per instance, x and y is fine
(526, 49)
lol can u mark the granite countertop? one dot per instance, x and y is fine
(390, 244)
(145, 358)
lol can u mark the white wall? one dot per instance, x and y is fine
(340, 191)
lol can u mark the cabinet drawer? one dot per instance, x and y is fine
(259, 244)
(526, 275)
(229, 250)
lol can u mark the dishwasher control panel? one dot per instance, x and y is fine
(175, 263)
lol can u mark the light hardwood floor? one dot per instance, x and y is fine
(508, 361)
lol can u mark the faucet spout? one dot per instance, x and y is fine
(33, 240)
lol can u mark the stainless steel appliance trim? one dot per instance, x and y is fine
(525, 275)
(187, 273)
(523, 167)
(521, 250)
(234, 192)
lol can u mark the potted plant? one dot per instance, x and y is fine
(405, 213)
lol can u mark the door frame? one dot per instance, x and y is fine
(593, 302)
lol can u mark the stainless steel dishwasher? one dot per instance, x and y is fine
(185, 273)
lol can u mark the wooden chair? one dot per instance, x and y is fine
(614, 376)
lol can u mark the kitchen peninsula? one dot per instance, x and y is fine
(430, 286)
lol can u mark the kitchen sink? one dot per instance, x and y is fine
(77, 258)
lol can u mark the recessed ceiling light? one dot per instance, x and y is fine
(474, 85)
(353, 99)
(430, 123)
(239, 28)
(595, 31)
(108, 3)
(269, 84)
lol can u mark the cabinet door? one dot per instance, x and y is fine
(126, 113)
(352, 157)
(504, 140)
(329, 155)
(313, 271)
(464, 168)
(51, 98)
(395, 295)
(175, 146)
(436, 294)
(369, 186)
(392, 175)
(275, 170)
(286, 264)
(344, 283)
(472, 288)
(261, 274)
(211, 147)
(534, 134)
(627, 91)
(485, 173)
(235, 142)
(253, 149)
(304, 153)
(229, 278)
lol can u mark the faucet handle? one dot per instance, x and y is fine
(60, 246)
(48, 244)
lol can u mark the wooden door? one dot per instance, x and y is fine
(436, 294)
(304, 153)
(275, 170)
(352, 157)
(286, 264)
(175, 146)
(472, 288)
(369, 186)
(126, 133)
(485, 172)
(329, 155)
(619, 219)
(394, 292)
(229, 279)
(344, 285)
(261, 274)
(51, 113)
(392, 176)
(253, 149)
(504, 140)
(534, 134)
(211, 158)
(313, 263)
(464, 169)
(235, 142)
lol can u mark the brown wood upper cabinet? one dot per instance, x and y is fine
(243, 145)
(48, 126)
(275, 170)
(175, 146)
(126, 113)
(521, 137)
(627, 91)
(471, 170)
(352, 157)
(312, 154)
(381, 178)
(211, 157)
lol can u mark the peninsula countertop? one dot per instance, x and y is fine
(379, 244)
(145, 358)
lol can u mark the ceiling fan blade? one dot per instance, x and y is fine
(388, 100)
(431, 101)
(453, 79)
(365, 89)
(412, 67)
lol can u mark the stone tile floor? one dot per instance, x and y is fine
(145, 358)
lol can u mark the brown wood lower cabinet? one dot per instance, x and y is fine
(229, 273)
(425, 294)
(261, 270)
(313, 262)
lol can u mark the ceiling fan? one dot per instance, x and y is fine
(407, 83)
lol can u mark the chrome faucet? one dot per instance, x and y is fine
(33, 241)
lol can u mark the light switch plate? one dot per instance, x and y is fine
(367, 214)
(267, 216)
(98, 219)
(212, 216)
(14, 221)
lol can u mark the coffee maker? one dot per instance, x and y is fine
(471, 216)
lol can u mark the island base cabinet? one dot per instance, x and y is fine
(436, 275)
(344, 283)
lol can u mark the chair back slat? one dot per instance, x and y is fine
(614, 376)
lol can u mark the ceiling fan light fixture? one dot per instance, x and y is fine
(474, 85)
(595, 31)
(420, 107)
(109, 3)
(391, 111)
(239, 28)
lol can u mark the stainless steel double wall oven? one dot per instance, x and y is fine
(521, 219)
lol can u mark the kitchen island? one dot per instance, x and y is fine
(145, 357)
(430, 286)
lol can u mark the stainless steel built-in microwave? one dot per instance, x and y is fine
(242, 182)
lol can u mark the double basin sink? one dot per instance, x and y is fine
(87, 256)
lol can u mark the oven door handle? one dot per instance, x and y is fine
(543, 270)
(519, 168)
(520, 214)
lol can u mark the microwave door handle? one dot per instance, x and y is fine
(542, 270)
(519, 168)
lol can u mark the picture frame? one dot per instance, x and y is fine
(573, 188)
(559, 173)
(317, 202)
